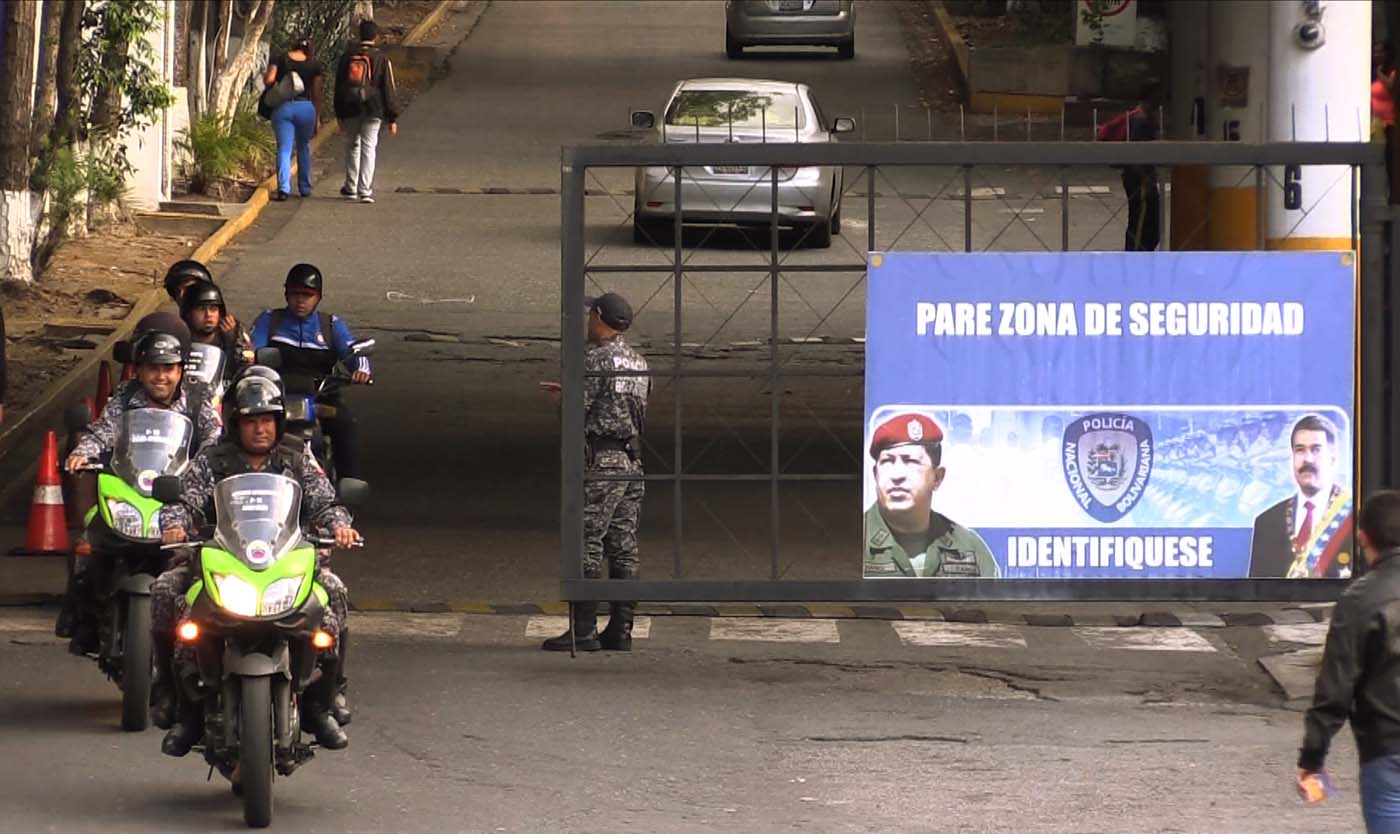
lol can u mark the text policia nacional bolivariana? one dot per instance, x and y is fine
(1139, 318)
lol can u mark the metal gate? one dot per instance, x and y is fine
(777, 487)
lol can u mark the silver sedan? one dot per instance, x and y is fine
(741, 110)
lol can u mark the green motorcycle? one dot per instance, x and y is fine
(124, 530)
(254, 624)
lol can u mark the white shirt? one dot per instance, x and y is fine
(1319, 502)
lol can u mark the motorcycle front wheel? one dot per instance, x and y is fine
(255, 750)
(136, 663)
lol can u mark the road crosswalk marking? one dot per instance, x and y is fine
(775, 631)
(1143, 639)
(932, 633)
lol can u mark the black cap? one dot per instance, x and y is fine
(368, 30)
(613, 309)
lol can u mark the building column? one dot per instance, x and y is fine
(1188, 22)
(1236, 104)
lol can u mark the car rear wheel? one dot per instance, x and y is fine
(846, 50)
(732, 48)
(646, 232)
(836, 213)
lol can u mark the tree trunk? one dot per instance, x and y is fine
(69, 105)
(107, 101)
(46, 95)
(364, 10)
(197, 58)
(16, 109)
(221, 37)
(230, 80)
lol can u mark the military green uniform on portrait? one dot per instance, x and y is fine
(952, 550)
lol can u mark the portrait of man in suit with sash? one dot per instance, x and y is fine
(1309, 533)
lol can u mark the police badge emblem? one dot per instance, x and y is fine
(1107, 460)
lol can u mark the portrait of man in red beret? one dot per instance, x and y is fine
(904, 535)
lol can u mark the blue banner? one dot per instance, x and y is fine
(1100, 415)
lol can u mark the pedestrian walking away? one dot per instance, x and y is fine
(1360, 676)
(365, 98)
(615, 407)
(1140, 186)
(294, 80)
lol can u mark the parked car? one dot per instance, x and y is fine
(740, 110)
(790, 23)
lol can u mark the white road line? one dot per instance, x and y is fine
(1309, 634)
(542, 627)
(1199, 619)
(774, 631)
(929, 633)
(1144, 639)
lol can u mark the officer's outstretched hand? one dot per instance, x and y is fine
(347, 537)
(173, 536)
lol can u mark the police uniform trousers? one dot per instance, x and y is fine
(611, 514)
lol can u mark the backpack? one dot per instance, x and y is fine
(359, 78)
(1116, 128)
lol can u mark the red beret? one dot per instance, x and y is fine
(903, 429)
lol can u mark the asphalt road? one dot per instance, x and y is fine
(463, 725)
(461, 290)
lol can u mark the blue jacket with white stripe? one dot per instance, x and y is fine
(313, 344)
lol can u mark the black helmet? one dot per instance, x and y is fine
(157, 348)
(161, 323)
(256, 390)
(201, 294)
(303, 277)
(182, 271)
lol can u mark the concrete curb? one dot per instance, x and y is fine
(950, 33)
(1065, 619)
(66, 390)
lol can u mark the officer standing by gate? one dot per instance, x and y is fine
(615, 410)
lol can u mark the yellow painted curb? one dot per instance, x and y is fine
(432, 19)
(955, 39)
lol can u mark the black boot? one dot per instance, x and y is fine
(66, 625)
(187, 731)
(584, 633)
(315, 713)
(617, 636)
(340, 706)
(163, 684)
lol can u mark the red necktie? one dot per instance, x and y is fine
(1305, 532)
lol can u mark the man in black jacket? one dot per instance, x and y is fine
(1360, 676)
(365, 96)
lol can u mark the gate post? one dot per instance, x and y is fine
(1374, 392)
(571, 348)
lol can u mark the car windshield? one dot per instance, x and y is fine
(258, 516)
(746, 109)
(151, 442)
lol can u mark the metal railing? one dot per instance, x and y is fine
(866, 167)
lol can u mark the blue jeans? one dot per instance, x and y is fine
(294, 122)
(1380, 794)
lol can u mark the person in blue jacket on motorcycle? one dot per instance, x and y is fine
(311, 343)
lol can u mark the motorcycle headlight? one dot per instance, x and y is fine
(126, 519)
(280, 595)
(236, 595)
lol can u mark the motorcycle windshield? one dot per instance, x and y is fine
(258, 516)
(151, 442)
(205, 364)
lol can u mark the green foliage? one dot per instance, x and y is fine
(221, 148)
(117, 56)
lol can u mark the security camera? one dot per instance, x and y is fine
(1310, 34)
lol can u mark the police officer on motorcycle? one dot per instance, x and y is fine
(255, 443)
(202, 309)
(311, 343)
(159, 353)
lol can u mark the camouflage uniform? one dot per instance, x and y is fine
(614, 417)
(319, 513)
(101, 434)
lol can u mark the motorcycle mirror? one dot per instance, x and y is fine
(121, 352)
(364, 347)
(643, 119)
(76, 417)
(166, 489)
(268, 357)
(353, 492)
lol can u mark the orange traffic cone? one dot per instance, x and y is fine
(48, 531)
(104, 387)
(128, 372)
